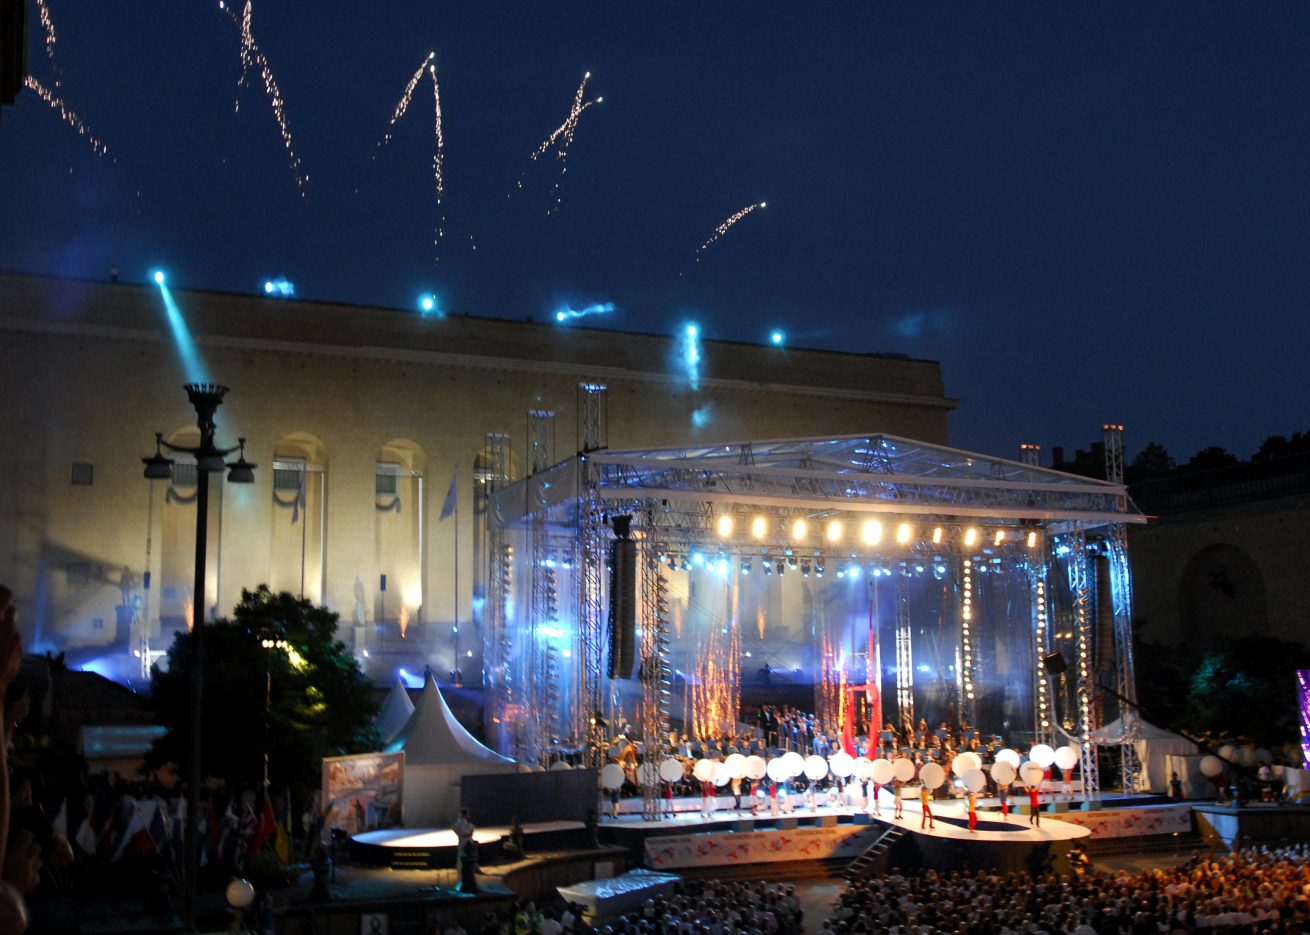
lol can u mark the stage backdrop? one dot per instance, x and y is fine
(362, 792)
(557, 795)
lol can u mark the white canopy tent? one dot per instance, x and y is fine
(1154, 745)
(395, 712)
(438, 753)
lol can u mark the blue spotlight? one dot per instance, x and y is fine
(427, 304)
(158, 277)
(281, 287)
(192, 365)
(268, 287)
(689, 355)
(693, 332)
(566, 313)
(776, 338)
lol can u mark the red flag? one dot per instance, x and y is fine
(266, 828)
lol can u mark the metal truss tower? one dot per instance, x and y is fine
(542, 676)
(1080, 585)
(904, 654)
(653, 670)
(497, 640)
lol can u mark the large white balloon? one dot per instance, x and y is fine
(559, 765)
(841, 764)
(1031, 774)
(648, 773)
(1003, 772)
(1007, 755)
(903, 769)
(1067, 756)
(974, 780)
(671, 770)
(932, 775)
(1227, 751)
(863, 768)
(795, 763)
(703, 770)
(1245, 756)
(721, 775)
(756, 768)
(881, 771)
(240, 894)
(964, 762)
(777, 770)
(736, 765)
(611, 777)
(1211, 766)
(816, 767)
(1042, 755)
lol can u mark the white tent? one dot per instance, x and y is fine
(438, 753)
(1153, 745)
(395, 713)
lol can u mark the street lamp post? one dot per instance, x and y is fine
(205, 398)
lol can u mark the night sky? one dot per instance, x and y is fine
(1093, 213)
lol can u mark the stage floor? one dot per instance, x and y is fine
(949, 821)
(433, 838)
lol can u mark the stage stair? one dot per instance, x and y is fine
(869, 858)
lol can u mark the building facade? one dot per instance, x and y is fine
(361, 421)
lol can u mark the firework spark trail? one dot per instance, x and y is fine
(403, 104)
(438, 153)
(250, 48)
(726, 225)
(247, 47)
(48, 23)
(564, 135)
(66, 115)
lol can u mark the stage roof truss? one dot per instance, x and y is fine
(867, 473)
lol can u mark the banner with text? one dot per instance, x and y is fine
(717, 849)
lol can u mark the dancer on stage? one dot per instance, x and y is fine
(896, 791)
(707, 802)
(872, 804)
(736, 793)
(925, 802)
(972, 802)
(1066, 784)
(1035, 806)
(1003, 793)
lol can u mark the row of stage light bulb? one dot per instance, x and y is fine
(870, 532)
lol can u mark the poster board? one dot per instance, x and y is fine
(363, 792)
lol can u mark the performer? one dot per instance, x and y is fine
(972, 801)
(1035, 806)
(873, 799)
(668, 798)
(896, 792)
(773, 798)
(736, 794)
(1066, 784)
(707, 799)
(925, 802)
(1003, 793)
(463, 828)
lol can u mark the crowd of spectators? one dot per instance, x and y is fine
(1253, 889)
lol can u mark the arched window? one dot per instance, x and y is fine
(299, 512)
(399, 505)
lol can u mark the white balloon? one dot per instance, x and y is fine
(778, 770)
(841, 764)
(1003, 772)
(240, 894)
(881, 771)
(1009, 756)
(1211, 766)
(932, 775)
(1067, 756)
(863, 768)
(703, 770)
(816, 767)
(795, 763)
(974, 780)
(611, 776)
(671, 770)
(648, 773)
(1246, 756)
(1042, 755)
(903, 769)
(1227, 751)
(756, 768)
(736, 764)
(721, 774)
(1031, 774)
(964, 762)
(559, 765)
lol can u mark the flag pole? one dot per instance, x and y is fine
(458, 680)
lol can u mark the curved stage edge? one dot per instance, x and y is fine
(436, 848)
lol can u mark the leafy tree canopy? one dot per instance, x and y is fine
(319, 703)
(1151, 461)
(1212, 457)
(1247, 688)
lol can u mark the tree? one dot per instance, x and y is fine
(1212, 457)
(319, 703)
(1152, 461)
(1246, 687)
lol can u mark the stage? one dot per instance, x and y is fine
(435, 848)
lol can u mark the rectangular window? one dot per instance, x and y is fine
(288, 474)
(81, 474)
(385, 484)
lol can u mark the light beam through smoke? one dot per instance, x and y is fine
(598, 308)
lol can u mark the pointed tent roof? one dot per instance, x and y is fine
(870, 472)
(434, 737)
(395, 712)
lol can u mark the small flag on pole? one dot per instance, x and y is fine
(448, 508)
